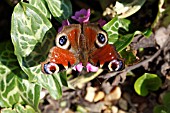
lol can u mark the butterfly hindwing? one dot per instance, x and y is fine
(108, 58)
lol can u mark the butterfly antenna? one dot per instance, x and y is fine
(98, 81)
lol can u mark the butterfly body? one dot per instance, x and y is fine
(86, 43)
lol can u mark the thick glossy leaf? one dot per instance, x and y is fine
(62, 77)
(37, 45)
(8, 87)
(19, 109)
(113, 26)
(13, 88)
(60, 9)
(31, 63)
(123, 42)
(8, 110)
(24, 109)
(9, 69)
(147, 82)
(41, 5)
(28, 28)
(52, 84)
(30, 93)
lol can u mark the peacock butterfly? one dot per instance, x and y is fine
(82, 43)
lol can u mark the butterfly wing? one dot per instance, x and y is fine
(100, 52)
(108, 58)
(65, 53)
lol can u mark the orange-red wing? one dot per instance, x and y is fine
(61, 56)
(104, 55)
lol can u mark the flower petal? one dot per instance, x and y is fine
(64, 23)
(101, 22)
(82, 16)
(91, 68)
(83, 11)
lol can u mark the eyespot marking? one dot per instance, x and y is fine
(101, 39)
(50, 68)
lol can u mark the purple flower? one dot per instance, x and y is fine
(64, 23)
(82, 16)
(101, 22)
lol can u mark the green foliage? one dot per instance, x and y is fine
(129, 56)
(165, 107)
(121, 41)
(113, 26)
(32, 35)
(41, 6)
(147, 82)
(18, 108)
(31, 47)
(60, 9)
(13, 87)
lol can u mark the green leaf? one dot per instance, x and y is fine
(41, 6)
(166, 99)
(123, 42)
(113, 26)
(9, 69)
(30, 93)
(62, 77)
(19, 109)
(129, 56)
(165, 107)
(52, 84)
(8, 87)
(60, 9)
(160, 109)
(31, 64)
(24, 109)
(37, 45)
(147, 33)
(28, 28)
(147, 82)
(31, 46)
(8, 110)
(13, 88)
